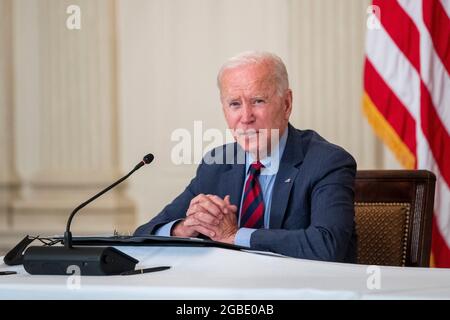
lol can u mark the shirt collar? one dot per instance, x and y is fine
(267, 160)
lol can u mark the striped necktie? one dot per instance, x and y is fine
(252, 213)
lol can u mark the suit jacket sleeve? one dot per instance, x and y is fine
(332, 215)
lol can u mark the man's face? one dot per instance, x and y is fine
(251, 103)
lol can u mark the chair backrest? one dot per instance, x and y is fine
(393, 215)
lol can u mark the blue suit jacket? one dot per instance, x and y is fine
(312, 215)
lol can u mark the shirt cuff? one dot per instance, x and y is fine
(242, 237)
(165, 229)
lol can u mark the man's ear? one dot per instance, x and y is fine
(287, 103)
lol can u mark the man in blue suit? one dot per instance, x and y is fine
(282, 190)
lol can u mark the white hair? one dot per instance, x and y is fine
(255, 57)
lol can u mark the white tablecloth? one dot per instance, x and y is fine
(214, 273)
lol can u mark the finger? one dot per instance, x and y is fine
(202, 217)
(228, 207)
(205, 231)
(193, 209)
(193, 202)
(231, 207)
(196, 199)
(204, 205)
(207, 204)
(206, 218)
(191, 221)
(219, 202)
(197, 208)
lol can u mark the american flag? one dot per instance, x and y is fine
(407, 95)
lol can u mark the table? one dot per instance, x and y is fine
(216, 273)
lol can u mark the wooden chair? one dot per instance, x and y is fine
(393, 213)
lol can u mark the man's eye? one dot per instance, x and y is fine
(234, 104)
(259, 101)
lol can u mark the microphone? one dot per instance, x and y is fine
(68, 235)
(90, 260)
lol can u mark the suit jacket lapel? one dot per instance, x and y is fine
(280, 194)
(287, 172)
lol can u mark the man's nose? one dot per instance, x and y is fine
(247, 113)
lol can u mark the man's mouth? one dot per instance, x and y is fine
(246, 133)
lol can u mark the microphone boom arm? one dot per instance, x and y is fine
(68, 235)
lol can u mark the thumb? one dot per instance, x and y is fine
(227, 203)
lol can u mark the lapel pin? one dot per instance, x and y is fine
(287, 180)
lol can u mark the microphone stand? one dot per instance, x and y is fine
(90, 260)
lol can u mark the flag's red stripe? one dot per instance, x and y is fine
(441, 252)
(435, 133)
(402, 29)
(390, 106)
(438, 24)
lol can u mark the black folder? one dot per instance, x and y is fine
(148, 241)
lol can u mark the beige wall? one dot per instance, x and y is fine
(88, 104)
(169, 55)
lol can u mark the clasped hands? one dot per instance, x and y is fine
(211, 216)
